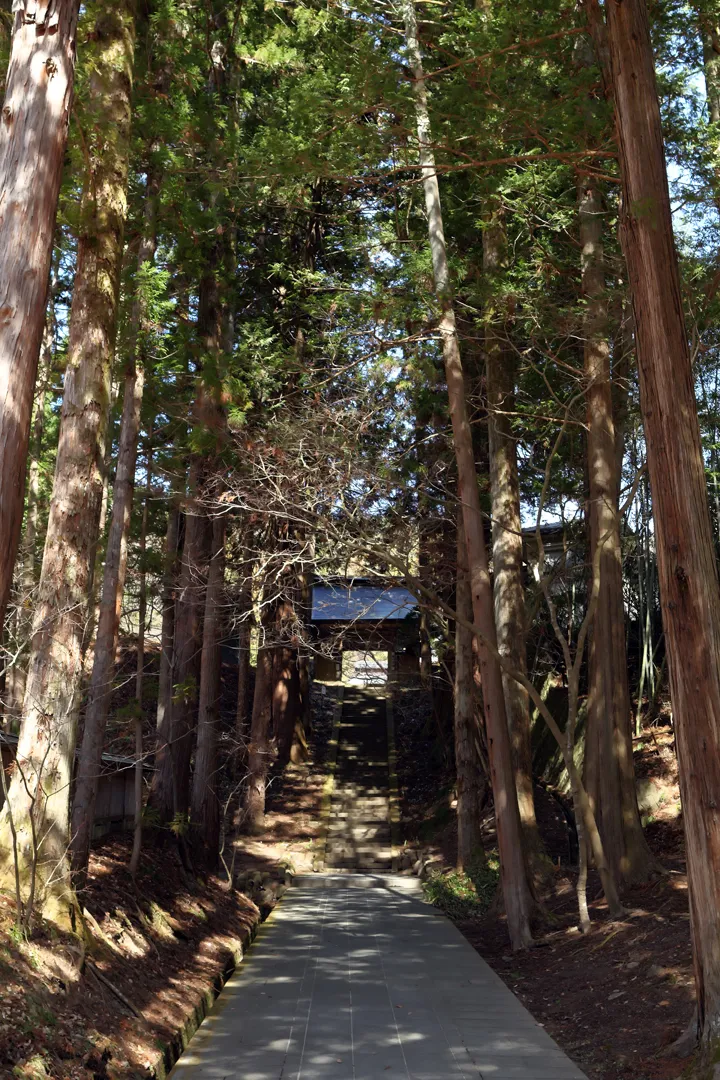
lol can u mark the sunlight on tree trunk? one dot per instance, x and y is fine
(689, 588)
(113, 587)
(41, 788)
(507, 545)
(260, 751)
(610, 774)
(516, 888)
(33, 133)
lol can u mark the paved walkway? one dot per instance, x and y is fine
(356, 978)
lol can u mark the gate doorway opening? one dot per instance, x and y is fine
(366, 633)
(368, 667)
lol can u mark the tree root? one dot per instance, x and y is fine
(686, 1043)
(103, 979)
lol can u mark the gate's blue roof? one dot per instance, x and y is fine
(360, 603)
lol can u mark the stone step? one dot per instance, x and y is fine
(346, 818)
(369, 834)
(359, 834)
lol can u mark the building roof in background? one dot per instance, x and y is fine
(350, 602)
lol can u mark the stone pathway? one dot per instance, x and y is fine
(355, 978)
(359, 829)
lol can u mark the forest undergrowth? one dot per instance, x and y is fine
(616, 998)
(161, 944)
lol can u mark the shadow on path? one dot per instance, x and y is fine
(355, 978)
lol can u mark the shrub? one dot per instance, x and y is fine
(464, 894)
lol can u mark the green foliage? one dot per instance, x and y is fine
(151, 817)
(185, 691)
(17, 934)
(36, 1068)
(465, 894)
(180, 825)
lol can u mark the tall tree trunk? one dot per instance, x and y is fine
(46, 749)
(167, 631)
(244, 704)
(508, 545)
(610, 773)
(205, 803)
(286, 706)
(710, 34)
(426, 570)
(113, 587)
(134, 863)
(623, 346)
(97, 555)
(18, 673)
(142, 573)
(33, 134)
(103, 669)
(286, 712)
(170, 793)
(689, 590)
(469, 776)
(242, 713)
(429, 554)
(260, 750)
(33, 486)
(171, 781)
(516, 887)
(709, 26)
(305, 608)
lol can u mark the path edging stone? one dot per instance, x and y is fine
(168, 1057)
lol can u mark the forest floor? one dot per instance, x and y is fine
(613, 999)
(163, 942)
(293, 807)
(616, 998)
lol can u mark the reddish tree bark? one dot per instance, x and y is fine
(205, 803)
(689, 590)
(470, 782)
(286, 710)
(610, 775)
(170, 794)
(244, 704)
(286, 701)
(33, 134)
(39, 794)
(171, 782)
(507, 544)
(260, 750)
(513, 872)
(113, 587)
